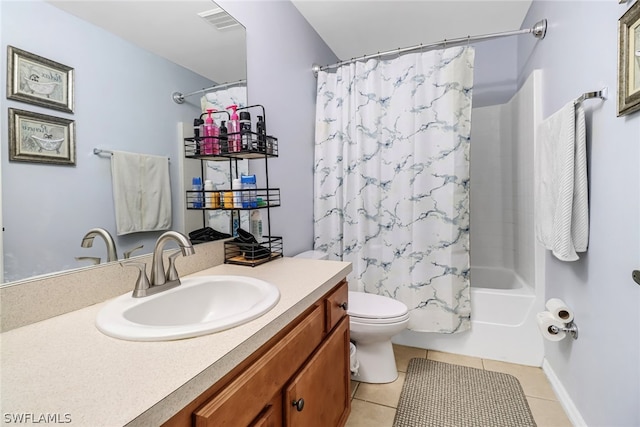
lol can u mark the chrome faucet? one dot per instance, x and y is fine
(161, 280)
(87, 242)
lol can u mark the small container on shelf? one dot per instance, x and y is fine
(249, 196)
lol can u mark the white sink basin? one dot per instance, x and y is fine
(199, 306)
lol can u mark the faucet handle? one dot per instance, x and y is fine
(94, 259)
(127, 254)
(172, 273)
(142, 283)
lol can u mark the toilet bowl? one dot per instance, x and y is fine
(373, 320)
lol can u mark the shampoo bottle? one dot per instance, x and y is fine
(236, 184)
(197, 133)
(261, 130)
(224, 144)
(245, 130)
(255, 226)
(208, 196)
(233, 128)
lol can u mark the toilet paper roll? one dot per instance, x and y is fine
(545, 320)
(559, 310)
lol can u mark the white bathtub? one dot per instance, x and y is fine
(503, 322)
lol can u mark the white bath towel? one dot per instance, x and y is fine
(561, 199)
(141, 192)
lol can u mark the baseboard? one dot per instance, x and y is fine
(563, 397)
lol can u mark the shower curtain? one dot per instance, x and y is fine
(391, 180)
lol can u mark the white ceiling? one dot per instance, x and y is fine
(355, 28)
(171, 29)
(351, 28)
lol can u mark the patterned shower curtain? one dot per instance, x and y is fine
(391, 180)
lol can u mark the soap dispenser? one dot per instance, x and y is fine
(233, 128)
(211, 132)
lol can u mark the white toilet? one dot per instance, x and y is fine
(373, 320)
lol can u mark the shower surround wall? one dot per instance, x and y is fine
(503, 325)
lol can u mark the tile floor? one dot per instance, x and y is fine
(374, 405)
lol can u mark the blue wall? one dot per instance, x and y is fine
(601, 370)
(281, 48)
(122, 102)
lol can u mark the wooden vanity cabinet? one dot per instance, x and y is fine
(308, 361)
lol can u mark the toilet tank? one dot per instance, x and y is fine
(313, 255)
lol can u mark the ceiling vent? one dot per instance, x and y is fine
(219, 19)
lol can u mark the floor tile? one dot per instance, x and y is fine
(382, 394)
(548, 413)
(455, 359)
(404, 354)
(366, 414)
(354, 387)
(532, 379)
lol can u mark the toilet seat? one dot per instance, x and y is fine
(387, 321)
(376, 309)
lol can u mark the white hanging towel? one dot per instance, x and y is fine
(141, 192)
(561, 199)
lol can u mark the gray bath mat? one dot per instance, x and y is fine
(438, 394)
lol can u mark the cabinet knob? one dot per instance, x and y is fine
(344, 306)
(299, 404)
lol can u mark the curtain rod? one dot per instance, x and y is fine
(539, 30)
(178, 97)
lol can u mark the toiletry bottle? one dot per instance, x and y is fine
(233, 128)
(227, 199)
(208, 196)
(196, 198)
(211, 133)
(236, 223)
(245, 130)
(261, 130)
(236, 184)
(249, 199)
(197, 132)
(224, 144)
(255, 226)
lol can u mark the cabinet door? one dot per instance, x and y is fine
(246, 396)
(318, 396)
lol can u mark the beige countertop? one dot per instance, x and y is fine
(64, 369)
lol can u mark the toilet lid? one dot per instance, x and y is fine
(372, 306)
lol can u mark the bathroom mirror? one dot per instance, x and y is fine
(128, 59)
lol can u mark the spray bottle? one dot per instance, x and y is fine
(233, 127)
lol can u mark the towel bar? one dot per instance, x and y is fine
(602, 94)
(98, 151)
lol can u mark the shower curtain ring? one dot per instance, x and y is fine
(445, 43)
(468, 40)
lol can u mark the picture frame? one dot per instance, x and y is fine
(39, 81)
(629, 61)
(40, 138)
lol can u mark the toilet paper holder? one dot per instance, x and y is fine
(571, 328)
